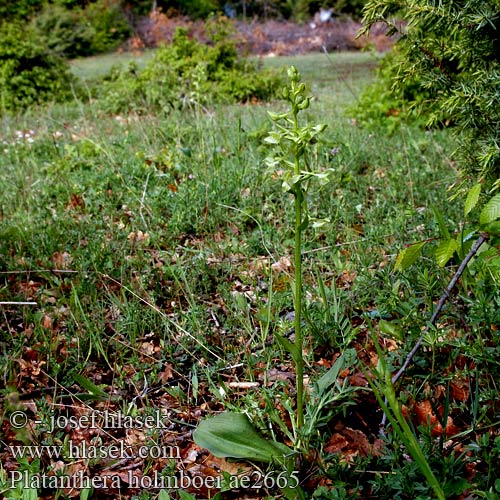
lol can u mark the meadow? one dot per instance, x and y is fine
(150, 256)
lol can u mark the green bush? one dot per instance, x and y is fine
(110, 26)
(100, 27)
(63, 31)
(22, 9)
(198, 9)
(29, 72)
(187, 73)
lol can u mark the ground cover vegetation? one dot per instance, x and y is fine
(171, 260)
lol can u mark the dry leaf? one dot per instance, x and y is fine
(61, 260)
(282, 266)
(47, 322)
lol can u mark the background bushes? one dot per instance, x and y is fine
(77, 32)
(29, 72)
(188, 73)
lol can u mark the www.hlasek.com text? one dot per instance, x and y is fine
(91, 451)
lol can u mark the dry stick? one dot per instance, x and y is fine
(482, 238)
(18, 303)
(35, 271)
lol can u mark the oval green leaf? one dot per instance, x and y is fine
(472, 198)
(408, 256)
(231, 435)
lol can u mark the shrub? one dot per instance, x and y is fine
(450, 50)
(107, 19)
(22, 9)
(29, 72)
(187, 72)
(100, 27)
(63, 31)
(198, 9)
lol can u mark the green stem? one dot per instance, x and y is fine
(299, 361)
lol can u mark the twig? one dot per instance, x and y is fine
(440, 305)
(35, 271)
(142, 201)
(18, 303)
(482, 238)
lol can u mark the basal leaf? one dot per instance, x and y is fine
(232, 435)
(491, 211)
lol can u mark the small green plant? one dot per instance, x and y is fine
(292, 142)
(230, 434)
(384, 389)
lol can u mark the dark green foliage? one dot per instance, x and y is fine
(29, 72)
(107, 19)
(188, 73)
(99, 27)
(352, 7)
(299, 10)
(306, 8)
(198, 8)
(63, 31)
(451, 51)
(18, 10)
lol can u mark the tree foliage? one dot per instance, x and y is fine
(76, 32)
(451, 50)
(196, 9)
(29, 72)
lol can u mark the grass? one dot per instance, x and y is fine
(158, 252)
(95, 66)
